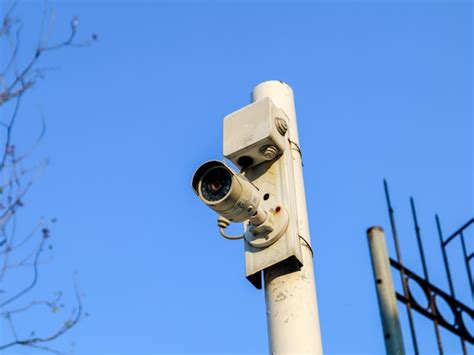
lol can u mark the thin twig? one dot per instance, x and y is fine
(67, 325)
(34, 280)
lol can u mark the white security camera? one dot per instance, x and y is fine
(236, 199)
(228, 193)
(260, 190)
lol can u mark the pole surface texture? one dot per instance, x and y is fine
(385, 292)
(290, 297)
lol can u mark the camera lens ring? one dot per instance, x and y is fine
(215, 184)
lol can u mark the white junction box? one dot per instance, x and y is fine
(255, 133)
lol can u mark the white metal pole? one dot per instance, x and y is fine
(292, 312)
(385, 292)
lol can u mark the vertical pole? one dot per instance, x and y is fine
(291, 303)
(385, 292)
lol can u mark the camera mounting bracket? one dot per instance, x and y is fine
(270, 230)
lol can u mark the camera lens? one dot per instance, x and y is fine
(216, 183)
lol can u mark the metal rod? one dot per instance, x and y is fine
(455, 234)
(402, 273)
(436, 290)
(466, 261)
(425, 273)
(385, 292)
(418, 239)
(292, 312)
(445, 257)
(448, 271)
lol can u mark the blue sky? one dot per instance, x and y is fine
(383, 90)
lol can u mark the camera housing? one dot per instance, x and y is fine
(262, 195)
(255, 134)
(227, 192)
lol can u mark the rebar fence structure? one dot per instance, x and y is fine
(462, 313)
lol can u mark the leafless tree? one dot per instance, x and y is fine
(25, 252)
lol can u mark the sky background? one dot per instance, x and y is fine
(383, 90)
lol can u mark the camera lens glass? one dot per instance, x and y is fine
(216, 183)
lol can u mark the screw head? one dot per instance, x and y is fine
(281, 125)
(269, 152)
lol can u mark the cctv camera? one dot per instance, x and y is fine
(227, 192)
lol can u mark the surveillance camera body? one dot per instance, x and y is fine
(266, 183)
(239, 203)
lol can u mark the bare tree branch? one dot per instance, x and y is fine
(75, 317)
(25, 253)
(22, 82)
(33, 281)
